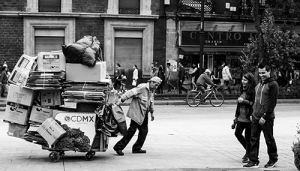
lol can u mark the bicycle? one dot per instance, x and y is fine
(215, 97)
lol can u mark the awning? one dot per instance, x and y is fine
(195, 50)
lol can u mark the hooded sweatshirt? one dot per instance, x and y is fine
(266, 94)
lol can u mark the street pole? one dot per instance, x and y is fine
(201, 37)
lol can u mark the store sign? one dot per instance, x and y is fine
(217, 38)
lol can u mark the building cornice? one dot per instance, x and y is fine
(75, 15)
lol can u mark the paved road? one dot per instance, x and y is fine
(180, 138)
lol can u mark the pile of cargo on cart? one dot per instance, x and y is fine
(39, 88)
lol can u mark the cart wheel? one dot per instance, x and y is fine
(62, 153)
(90, 155)
(54, 156)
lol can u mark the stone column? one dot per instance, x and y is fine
(171, 37)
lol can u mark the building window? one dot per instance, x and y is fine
(129, 7)
(47, 40)
(131, 32)
(47, 34)
(49, 5)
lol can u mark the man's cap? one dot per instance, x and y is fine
(5, 65)
(207, 71)
(155, 79)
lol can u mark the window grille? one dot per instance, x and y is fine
(49, 5)
(195, 5)
(129, 6)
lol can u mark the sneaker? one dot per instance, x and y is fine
(252, 164)
(271, 164)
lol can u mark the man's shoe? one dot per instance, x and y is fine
(271, 164)
(139, 151)
(119, 152)
(252, 164)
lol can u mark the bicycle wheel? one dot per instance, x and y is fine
(193, 98)
(216, 99)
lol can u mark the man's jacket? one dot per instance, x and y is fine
(181, 73)
(203, 80)
(226, 74)
(3, 77)
(266, 94)
(142, 102)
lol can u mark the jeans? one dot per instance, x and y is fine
(267, 129)
(143, 131)
(180, 87)
(170, 85)
(117, 84)
(3, 89)
(244, 140)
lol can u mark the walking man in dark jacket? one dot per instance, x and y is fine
(3, 81)
(266, 94)
(181, 77)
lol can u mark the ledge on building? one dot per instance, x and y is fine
(76, 15)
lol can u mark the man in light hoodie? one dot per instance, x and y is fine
(141, 104)
(226, 75)
(266, 94)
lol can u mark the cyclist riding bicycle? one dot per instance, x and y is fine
(203, 80)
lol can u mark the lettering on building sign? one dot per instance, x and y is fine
(217, 38)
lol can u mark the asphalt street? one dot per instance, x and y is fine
(180, 138)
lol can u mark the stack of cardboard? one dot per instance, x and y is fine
(87, 91)
(34, 93)
(46, 79)
(88, 85)
(39, 88)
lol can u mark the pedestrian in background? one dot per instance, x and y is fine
(214, 79)
(141, 104)
(135, 76)
(168, 78)
(181, 77)
(154, 70)
(266, 94)
(226, 76)
(4, 80)
(193, 73)
(161, 75)
(244, 111)
(117, 76)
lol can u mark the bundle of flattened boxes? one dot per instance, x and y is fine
(37, 88)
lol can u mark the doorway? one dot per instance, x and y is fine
(128, 52)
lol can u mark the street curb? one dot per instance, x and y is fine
(161, 102)
(182, 102)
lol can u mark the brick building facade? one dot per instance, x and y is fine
(21, 23)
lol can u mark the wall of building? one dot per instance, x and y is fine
(11, 44)
(89, 6)
(157, 7)
(90, 26)
(12, 27)
(13, 5)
